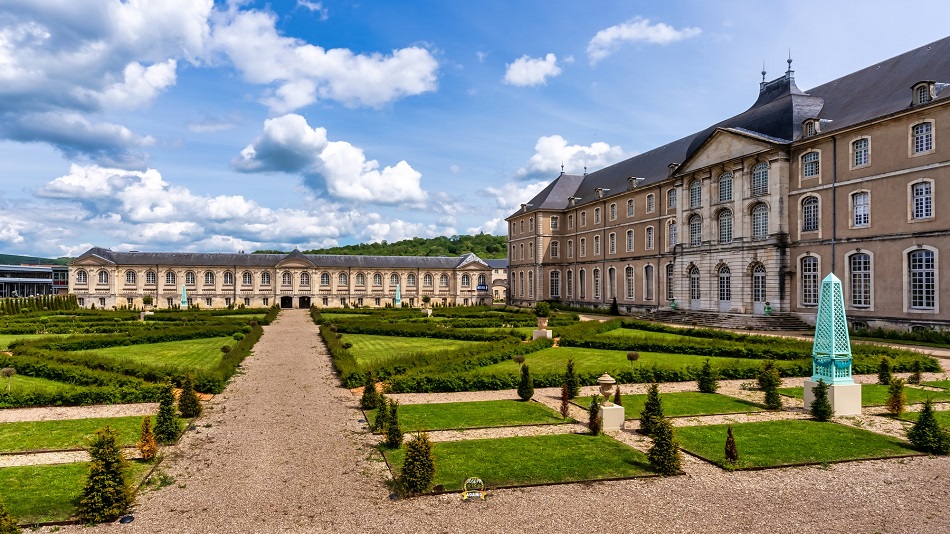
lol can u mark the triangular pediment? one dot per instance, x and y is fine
(295, 264)
(725, 145)
(90, 261)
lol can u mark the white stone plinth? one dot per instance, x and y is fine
(845, 399)
(612, 416)
(538, 334)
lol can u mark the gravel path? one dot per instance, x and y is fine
(285, 452)
(55, 413)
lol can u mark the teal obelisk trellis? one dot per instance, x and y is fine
(831, 352)
(398, 300)
(184, 298)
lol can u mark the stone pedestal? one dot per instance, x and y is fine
(613, 416)
(845, 399)
(538, 334)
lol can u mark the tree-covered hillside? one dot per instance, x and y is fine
(485, 246)
(13, 259)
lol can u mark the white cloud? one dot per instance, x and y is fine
(481, 56)
(553, 151)
(314, 7)
(212, 124)
(140, 86)
(288, 144)
(511, 195)
(496, 226)
(397, 230)
(638, 29)
(526, 71)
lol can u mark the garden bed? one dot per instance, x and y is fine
(470, 415)
(682, 404)
(876, 394)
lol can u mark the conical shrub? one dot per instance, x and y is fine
(167, 425)
(106, 494)
(418, 468)
(146, 444)
(526, 385)
(652, 411)
(665, 456)
(188, 403)
(926, 434)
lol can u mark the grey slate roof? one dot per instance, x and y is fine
(497, 264)
(204, 259)
(776, 115)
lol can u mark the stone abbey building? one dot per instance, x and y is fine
(751, 213)
(104, 278)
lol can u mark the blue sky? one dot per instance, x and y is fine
(225, 126)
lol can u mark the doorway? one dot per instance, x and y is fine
(286, 302)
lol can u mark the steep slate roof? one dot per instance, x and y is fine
(777, 116)
(497, 264)
(203, 259)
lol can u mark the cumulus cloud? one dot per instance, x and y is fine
(397, 230)
(638, 29)
(553, 151)
(511, 195)
(288, 144)
(526, 71)
(314, 7)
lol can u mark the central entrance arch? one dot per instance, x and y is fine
(303, 302)
(286, 302)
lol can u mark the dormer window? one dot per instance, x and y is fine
(922, 93)
(810, 128)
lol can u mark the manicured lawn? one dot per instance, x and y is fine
(531, 460)
(456, 415)
(682, 404)
(777, 443)
(198, 354)
(21, 383)
(369, 350)
(49, 492)
(945, 384)
(6, 339)
(876, 394)
(66, 434)
(943, 417)
(643, 334)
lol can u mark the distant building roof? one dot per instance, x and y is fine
(497, 264)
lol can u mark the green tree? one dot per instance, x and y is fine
(884, 372)
(820, 406)
(915, 377)
(570, 378)
(652, 411)
(7, 523)
(769, 381)
(665, 456)
(188, 403)
(418, 468)
(926, 434)
(167, 425)
(370, 398)
(526, 386)
(393, 430)
(565, 401)
(106, 494)
(382, 415)
(732, 452)
(146, 444)
(706, 381)
(594, 421)
(896, 398)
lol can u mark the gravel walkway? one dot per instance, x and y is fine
(282, 451)
(56, 413)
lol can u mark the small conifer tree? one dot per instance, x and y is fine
(916, 369)
(565, 401)
(188, 404)
(418, 468)
(146, 443)
(617, 400)
(665, 456)
(7, 523)
(896, 398)
(594, 420)
(526, 386)
(570, 378)
(393, 430)
(926, 434)
(652, 411)
(370, 398)
(732, 452)
(763, 376)
(884, 372)
(820, 406)
(167, 426)
(706, 381)
(382, 415)
(106, 494)
(769, 381)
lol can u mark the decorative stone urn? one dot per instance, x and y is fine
(542, 323)
(607, 384)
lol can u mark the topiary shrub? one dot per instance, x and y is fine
(926, 434)
(665, 456)
(146, 444)
(762, 378)
(393, 430)
(706, 382)
(652, 411)
(896, 398)
(916, 369)
(594, 421)
(632, 356)
(565, 401)
(418, 468)
(884, 372)
(570, 378)
(226, 349)
(382, 415)
(518, 358)
(820, 406)
(769, 381)
(166, 423)
(7, 523)
(238, 336)
(526, 386)
(732, 452)
(106, 494)
(370, 398)
(617, 400)
(188, 403)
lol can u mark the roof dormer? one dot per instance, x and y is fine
(923, 93)
(810, 127)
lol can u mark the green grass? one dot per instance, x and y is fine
(457, 415)
(530, 460)
(6, 339)
(371, 350)
(644, 334)
(777, 443)
(876, 394)
(197, 354)
(944, 384)
(682, 404)
(66, 434)
(39, 493)
(21, 383)
(943, 417)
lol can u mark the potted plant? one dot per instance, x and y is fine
(147, 301)
(426, 299)
(542, 310)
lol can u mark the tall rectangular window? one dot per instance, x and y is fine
(570, 248)
(596, 245)
(760, 179)
(725, 227)
(810, 281)
(923, 138)
(695, 194)
(583, 247)
(671, 199)
(596, 283)
(725, 187)
(629, 240)
(569, 284)
(810, 164)
(583, 219)
(810, 214)
(612, 245)
(861, 206)
(554, 249)
(672, 236)
(554, 222)
(922, 280)
(922, 200)
(570, 221)
(650, 238)
(628, 282)
(630, 208)
(861, 150)
(651, 204)
(613, 212)
(669, 281)
(860, 265)
(555, 284)
(648, 282)
(596, 215)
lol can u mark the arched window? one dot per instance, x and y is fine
(569, 283)
(810, 281)
(265, 279)
(810, 214)
(190, 278)
(694, 292)
(377, 279)
(583, 245)
(130, 278)
(612, 243)
(582, 284)
(466, 280)
(394, 279)
(811, 164)
(669, 281)
(672, 233)
(760, 221)
(596, 283)
(427, 280)
(695, 231)
(150, 277)
(628, 282)
(630, 208)
(613, 211)
(570, 248)
(760, 179)
(341, 279)
(228, 278)
(411, 280)
(758, 284)
(521, 283)
(360, 279)
(596, 245)
(671, 198)
(725, 227)
(81, 277)
(209, 278)
(612, 283)
(170, 278)
(695, 194)
(648, 282)
(286, 279)
(324, 279)
(725, 187)
(725, 283)
(555, 284)
(596, 215)
(649, 238)
(305, 279)
(860, 270)
(246, 278)
(103, 277)
(629, 240)
(481, 280)
(923, 287)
